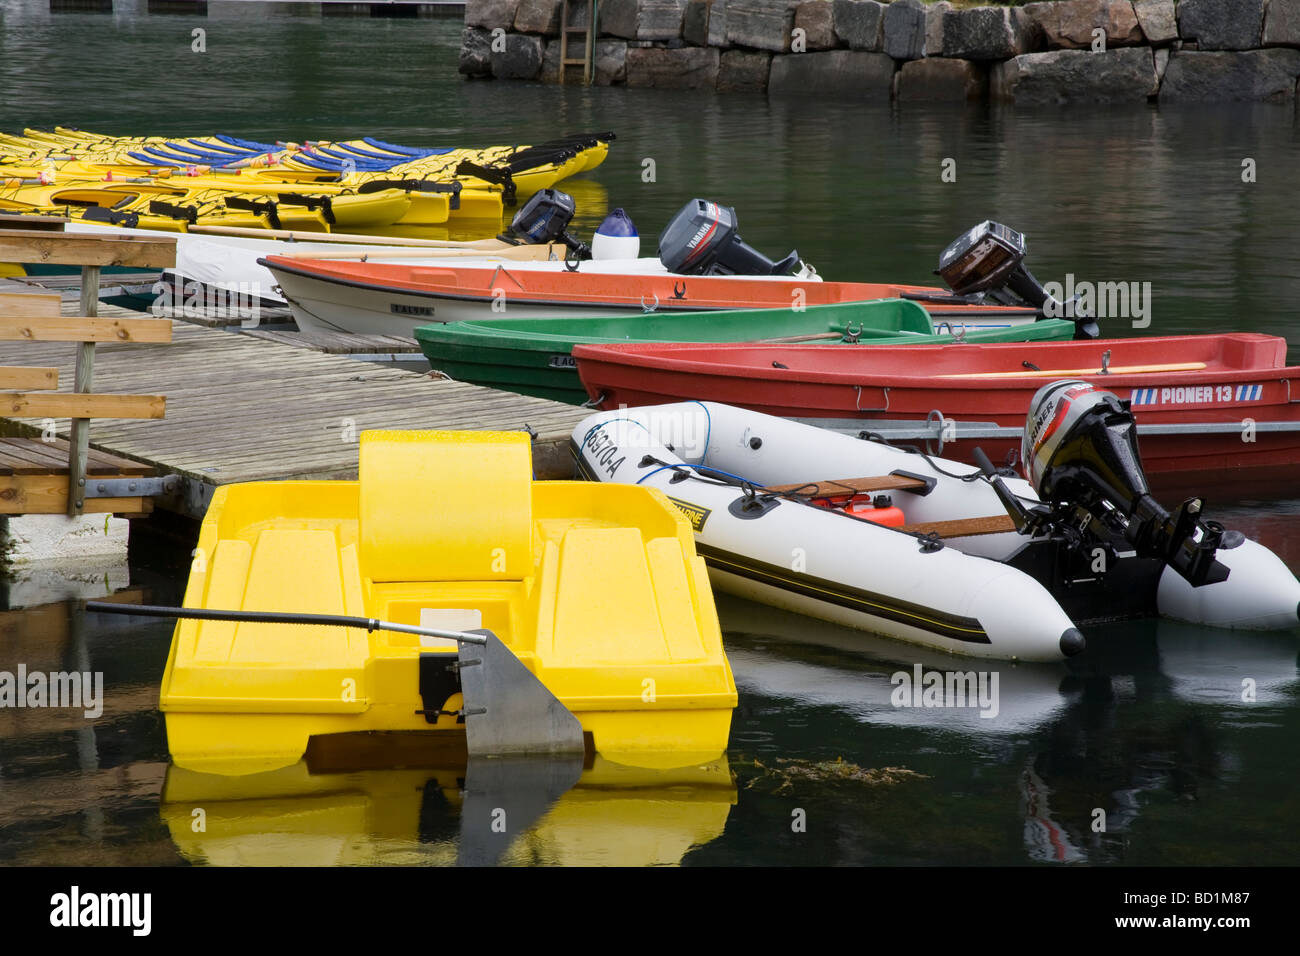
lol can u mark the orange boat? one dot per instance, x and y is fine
(379, 298)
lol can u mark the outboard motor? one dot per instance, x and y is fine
(990, 259)
(702, 240)
(1080, 453)
(545, 218)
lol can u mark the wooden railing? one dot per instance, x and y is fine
(37, 318)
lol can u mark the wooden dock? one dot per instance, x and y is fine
(244, 408)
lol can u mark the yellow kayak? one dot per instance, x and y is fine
(459, 184)
(593, 594)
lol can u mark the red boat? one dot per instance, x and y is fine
(1204, 404)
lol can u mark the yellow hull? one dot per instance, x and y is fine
(595, 588)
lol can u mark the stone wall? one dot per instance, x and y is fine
(1099, 51)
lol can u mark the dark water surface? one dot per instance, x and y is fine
(1150, 727)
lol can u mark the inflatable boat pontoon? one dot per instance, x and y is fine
(933, 551)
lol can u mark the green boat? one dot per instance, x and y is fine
(533, 356)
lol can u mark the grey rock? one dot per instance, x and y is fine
(618, 18)
(1282, 23)
(538, 16)
(1257, 75)
(816, 19)
(611, 62)
(659, 19)
(1162, 63)
(859, 23)
(1076, 76)
(687, 68)
(475, 52)
(1068, 25)
(741, 71)
(840, 73)
(642, 19)
(1222, 24)
(904, 27)
(986, 33)
(521, 59)
(695, 22)
(718, 25)
(942, 79)
(550, 71)
(934, 15)
(491, 14)
(1157, 19)
(760, 24)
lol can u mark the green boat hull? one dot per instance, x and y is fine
(534, 356)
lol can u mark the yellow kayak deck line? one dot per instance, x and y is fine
(595, 589)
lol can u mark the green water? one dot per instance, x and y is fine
(1150, 727)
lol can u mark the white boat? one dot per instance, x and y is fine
(956, 576)
(229, 263)
(336, 304)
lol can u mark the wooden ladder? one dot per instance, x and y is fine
(589, 41)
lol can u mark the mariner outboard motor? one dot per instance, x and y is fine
(702, 240)
(545, 218)
(989, 259)
(1080, 453)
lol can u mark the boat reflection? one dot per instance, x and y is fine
(1155, 718)
(500, 811)
(779, 654)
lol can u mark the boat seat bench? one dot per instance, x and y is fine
(957, 528)
(850, 486)
(963, 527)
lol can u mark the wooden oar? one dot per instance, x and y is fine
(1065, 372)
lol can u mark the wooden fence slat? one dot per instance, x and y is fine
(80, 405)
(48, 494)
(28, 328)
(82, 249)
(23, 377)
(30, 304)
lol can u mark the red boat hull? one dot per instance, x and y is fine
(1230, 381)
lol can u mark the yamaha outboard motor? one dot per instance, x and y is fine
(545, 218)
(1080, 453)
(702, 240)
(989, 259)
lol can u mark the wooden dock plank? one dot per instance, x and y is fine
(242, 407)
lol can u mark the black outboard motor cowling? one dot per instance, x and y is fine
(545, 218)
(702, 240)
(989, 259)
(1080, 447)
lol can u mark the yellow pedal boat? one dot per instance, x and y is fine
(600, 603)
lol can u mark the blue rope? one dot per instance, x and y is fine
(708, 430)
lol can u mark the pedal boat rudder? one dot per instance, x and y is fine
(595, 588)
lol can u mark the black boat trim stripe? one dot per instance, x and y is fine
(953, 626)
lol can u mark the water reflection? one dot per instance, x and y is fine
(514, 812)
(1147, 749)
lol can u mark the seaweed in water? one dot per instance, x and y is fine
(786, 773)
